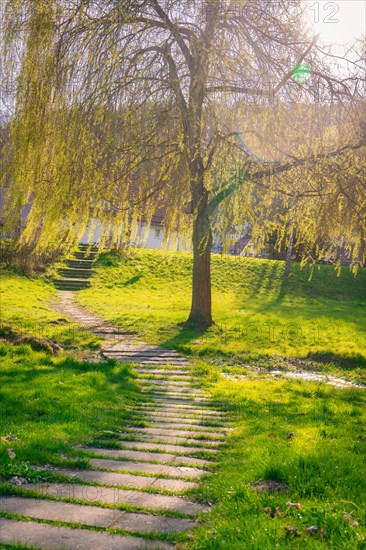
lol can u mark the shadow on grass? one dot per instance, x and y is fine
(184, 334)
(343, 360)
(50, 404)
(133, 280)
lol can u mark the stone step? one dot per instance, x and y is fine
(85, 255)
(180, 416)
(141, 347)
(129, 480)
(162, 458)
(147, 378)
(84, 264)
(116, 496)
(148, 350)
(161, 374)
(161, 447)
(162, 439)
(175, 392)
(164, 370)
(181, 421)
(104, 329)
(174, 416)
(168, 383)
(169, 398)
(93, 515)
(148, 361)
(179, 403)
(70, 288)
(51, 537)
(75, 273)
(179, 410)
(175, 397)
(193, 427)
(182, 405)
(142, 360)
(77, 283)
(171, 390)
(170, 418)
(167, 389)
(153, 355)
(147, 468)
(186, 434)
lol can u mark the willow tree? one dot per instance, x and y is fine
(194, 97)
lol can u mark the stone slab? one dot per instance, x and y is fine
(93, 515)
(145, 468)
(142, 361)
(59, 511)
(163, 458)
(182, 404)
(172, 417)
(168, 389)
(175, 449)
(191, 427)
(181, 409)
(201, 435)
(183, 395)
(163, 372)
(190, 400)
(51, 537)
(129, 480)
(170, 383)
(162, 438)
(122, 349)
(181, 420)
(117, 496)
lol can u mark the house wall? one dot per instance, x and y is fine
(145, 237)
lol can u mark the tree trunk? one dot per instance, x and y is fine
(201, 309)
(363, 248)
(289, 251)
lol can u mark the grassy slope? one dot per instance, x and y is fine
(24, 305)
(256, 312)
(51, 403)
(309, 437)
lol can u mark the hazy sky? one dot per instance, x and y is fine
(338, 22)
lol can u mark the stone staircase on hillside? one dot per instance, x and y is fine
(78, 270)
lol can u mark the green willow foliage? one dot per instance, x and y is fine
(103, 93)
(68, 153)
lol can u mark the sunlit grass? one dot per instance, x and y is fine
(306, 436)
(314, 313)
(25, 306)
(49, 404)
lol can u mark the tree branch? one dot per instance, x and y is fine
(258, 176)
(174, 31)
(232, 88)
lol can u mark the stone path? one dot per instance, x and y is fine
(138, 489)
(75, 275)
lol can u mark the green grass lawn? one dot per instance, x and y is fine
(307, 436)
(25, 308)
(49, 404)
(314, 314)
(310, 438)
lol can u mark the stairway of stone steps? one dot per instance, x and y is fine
(134, 496)
(78, 270)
